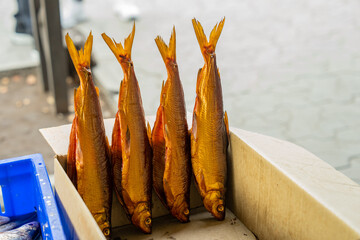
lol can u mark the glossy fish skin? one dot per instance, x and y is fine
(25, 232)
(209, 135)
(88, 143)
(4, 220)
(131, 142)
(16, 222)
(171, 140)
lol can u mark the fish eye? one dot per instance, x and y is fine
(220, 208)
(148, 221)
(106, 231)
(186, 212)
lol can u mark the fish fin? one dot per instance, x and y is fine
(199, 32)
(127, 141)
(108, 149)
(201, 184)
(163, 94)
(71, 156)
(121, 93)
(116, 159)
(198, 81)
(75, 101)
(80, 58)
(97, 91)
(149, 133)
(78, 101)
(207, 47)
(168, 53)
(215, 33)
(168, 193)
(79, 168)
(121, 52)
(226, 120)
(125, 197)
(158, 144)
(194, 124)
(162, 86)
(116, 140)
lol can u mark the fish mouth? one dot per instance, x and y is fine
(106, 231)
(142, 217)
(183, 215)
(102, 220)
(215, 204)
(180, 209)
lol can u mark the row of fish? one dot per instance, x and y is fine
(20, 228)
(139, 158)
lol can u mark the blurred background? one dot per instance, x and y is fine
(289, 69)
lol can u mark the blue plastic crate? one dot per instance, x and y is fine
(26, 188)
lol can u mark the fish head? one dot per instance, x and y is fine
(32, 228)
(142, 217)
(215, 204)
(180, 209)
(103, 221)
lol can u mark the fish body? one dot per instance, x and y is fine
(4, 220)
(131, 151)
(25, 232)
(209, 134)
(16, 222)
(89, 148)
(171, 140)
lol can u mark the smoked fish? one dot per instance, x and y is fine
(171, 140)
(131, 150)
(89, 148)
(210, 128)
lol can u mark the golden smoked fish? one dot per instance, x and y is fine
(89, 148)
(171, 140)
(131, 150)
(210, 130)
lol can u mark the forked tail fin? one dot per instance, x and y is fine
(81, 58)
(168, 53)
(207, 47)
(122, 53)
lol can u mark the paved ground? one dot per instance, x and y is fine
(25, 108)
(289, 69)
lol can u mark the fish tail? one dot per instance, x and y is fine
(168, 53)
(121, 52)
(207, 47)
(80, 58)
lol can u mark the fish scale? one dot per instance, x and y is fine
(88, 159)
(130, 149)
(170, 132)
(209, 135)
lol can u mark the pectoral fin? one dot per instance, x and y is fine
(116, 142)
(158, 144)
(97, 91)
(71, 156)
(116, 158)
(226, 121)
(149, 133)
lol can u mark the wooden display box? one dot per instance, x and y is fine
(276, 190)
